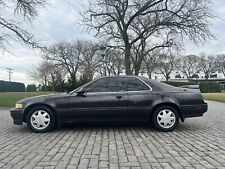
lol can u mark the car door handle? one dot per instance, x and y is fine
(118, 97)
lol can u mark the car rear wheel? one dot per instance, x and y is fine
(40, 119)
(165, 118)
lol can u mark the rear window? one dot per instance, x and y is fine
(156, 85)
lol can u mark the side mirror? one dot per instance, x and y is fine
(81, 93)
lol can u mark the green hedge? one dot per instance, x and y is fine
(11, 86)
(209, 87)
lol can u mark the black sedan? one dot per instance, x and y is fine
(113, 98)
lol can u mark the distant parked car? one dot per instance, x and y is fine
(113, 98)
(191, 86)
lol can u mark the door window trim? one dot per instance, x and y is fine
(150, 89)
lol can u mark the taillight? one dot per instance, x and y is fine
(199, 107)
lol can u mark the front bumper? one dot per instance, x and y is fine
(194, 110)
(17, 115)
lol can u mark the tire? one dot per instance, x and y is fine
(165, 118)
(41, 119)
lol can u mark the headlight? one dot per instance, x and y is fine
(19, 106)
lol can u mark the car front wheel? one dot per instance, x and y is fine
(165, 118)
(40, 119)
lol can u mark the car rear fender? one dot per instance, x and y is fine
(170, 102)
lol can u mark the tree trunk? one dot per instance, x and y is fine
(188, 78)
(45, 83)
(53, 82)
(127, 60)
(109, 72)
(137, 68)
(118, 72)
(73, 79)
(167, 78)
(206, 76)
(150, 75)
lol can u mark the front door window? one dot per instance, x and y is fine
(110, 84)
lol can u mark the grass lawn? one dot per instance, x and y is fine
(8, 99)
(214, 96)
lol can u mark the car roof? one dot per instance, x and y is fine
(121, 76)
(133, 76)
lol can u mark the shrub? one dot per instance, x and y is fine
(209, 87)
(31, 88)
(11, 86)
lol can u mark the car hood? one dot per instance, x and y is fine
(42, 97)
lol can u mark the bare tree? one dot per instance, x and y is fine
(67, 55)
(56, 75)
(48, 74)
(143, 49)
(138, 53)
(150, 64)
(208, 65)
(91, 59)
(40, 74)
(127, 22)
(220, 62)
(13, 13)
(166, 65)
(113, 62)
(190, 66)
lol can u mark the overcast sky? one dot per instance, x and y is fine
(60, 21)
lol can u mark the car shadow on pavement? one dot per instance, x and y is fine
(104, 125)
(112, 125)
(191, 126)
(186, 126)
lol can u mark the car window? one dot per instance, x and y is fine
(134, 84)
(107, 85)
(156, 85)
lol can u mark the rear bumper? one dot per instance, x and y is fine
(194, 110)
(17, 115)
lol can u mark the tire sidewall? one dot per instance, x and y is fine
(52, 119)
(155, 122)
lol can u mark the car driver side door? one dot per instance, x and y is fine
(105, 98)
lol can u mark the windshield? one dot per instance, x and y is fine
(80, 88)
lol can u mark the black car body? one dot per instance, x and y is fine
(112, 98)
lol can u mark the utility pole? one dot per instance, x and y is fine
(10, 73)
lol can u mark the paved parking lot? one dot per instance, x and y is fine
(197, 143)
